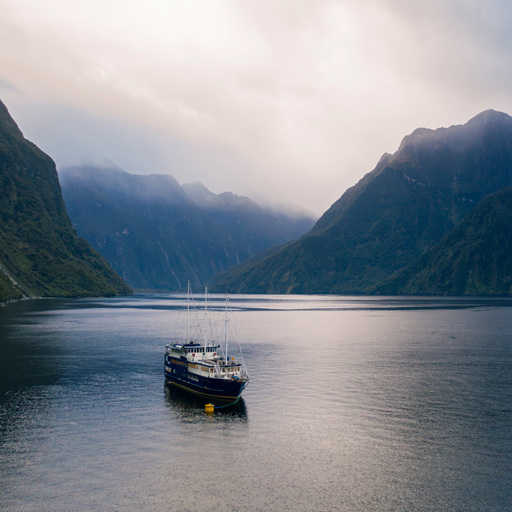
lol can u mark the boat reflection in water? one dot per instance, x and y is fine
(188, 403)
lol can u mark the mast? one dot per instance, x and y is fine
(205, 317)
(226, 329)
(188, 310)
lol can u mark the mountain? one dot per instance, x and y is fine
(159, 235)
(474, 258)
(395, 213)
(252, 228)
(40, 252)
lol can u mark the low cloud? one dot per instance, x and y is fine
(292, 100)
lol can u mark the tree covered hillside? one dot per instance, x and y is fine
(475, 258)
(392, 216)
(40, 252)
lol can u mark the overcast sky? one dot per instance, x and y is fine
(293, 100)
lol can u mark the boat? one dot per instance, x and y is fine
(196, 362)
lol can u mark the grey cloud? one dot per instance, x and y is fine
(294, 99)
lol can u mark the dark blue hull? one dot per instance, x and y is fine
(220, 389)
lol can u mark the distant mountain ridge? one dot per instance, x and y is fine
(159, 235)
(249, 225)
(393, 215)
(40, 252)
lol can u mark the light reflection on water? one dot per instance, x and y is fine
(354, 404)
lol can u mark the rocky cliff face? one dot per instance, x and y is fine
(40, 252)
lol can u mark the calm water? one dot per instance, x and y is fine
(355, 404)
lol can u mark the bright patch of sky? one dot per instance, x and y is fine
(288, 100)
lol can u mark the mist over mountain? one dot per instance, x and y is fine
(393, 215)
(251, 227)
(40, 252)
(159, 235)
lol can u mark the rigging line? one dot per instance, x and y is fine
(227, 405)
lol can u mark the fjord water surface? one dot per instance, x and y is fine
(355, 404)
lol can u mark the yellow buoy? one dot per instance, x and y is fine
(209, 408)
